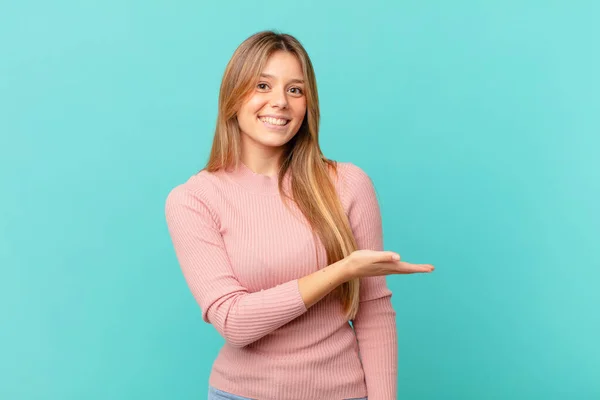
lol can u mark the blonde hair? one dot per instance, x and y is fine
(312, 188)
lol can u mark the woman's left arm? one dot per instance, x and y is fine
(375, 327)
(375, 322)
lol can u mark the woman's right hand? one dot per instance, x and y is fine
(363, 263)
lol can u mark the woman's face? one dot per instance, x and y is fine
(273, 113)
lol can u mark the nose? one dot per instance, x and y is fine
(279, 99)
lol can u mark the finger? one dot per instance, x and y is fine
(412, 268)
(386, 256)
(393, 256)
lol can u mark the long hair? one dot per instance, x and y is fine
(312, 188)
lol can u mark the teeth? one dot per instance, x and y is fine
(274, 121)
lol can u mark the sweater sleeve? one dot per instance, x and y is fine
(239, 316)
(375, 322)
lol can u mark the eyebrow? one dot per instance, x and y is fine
(291, 80)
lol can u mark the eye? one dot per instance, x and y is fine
(296, 90)
(262, 86)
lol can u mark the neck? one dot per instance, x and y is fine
(267, 165)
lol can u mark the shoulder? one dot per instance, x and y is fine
(200, 185)
(351, 172)
(350, 177)
(197, 193)
(353, 184)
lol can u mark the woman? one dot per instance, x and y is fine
(282, 247)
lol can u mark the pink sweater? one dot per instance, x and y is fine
(242, 252)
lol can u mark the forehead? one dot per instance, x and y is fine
(283, 64)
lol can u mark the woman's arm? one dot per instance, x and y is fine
(375, 322)
(239, 316)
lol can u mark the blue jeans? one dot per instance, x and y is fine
(216, 394)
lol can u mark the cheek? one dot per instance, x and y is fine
(300, 108)
(254, 105)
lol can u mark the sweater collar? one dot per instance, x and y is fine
(255, 182)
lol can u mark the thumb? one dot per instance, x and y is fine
(390, 256)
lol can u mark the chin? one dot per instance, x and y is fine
(274, 143)
(270, 140)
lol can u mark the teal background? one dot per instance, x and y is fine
(478, 121)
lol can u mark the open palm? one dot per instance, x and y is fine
(377, 263)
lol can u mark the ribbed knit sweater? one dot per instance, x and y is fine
(242, 252)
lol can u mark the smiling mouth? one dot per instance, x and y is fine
(274, 122)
